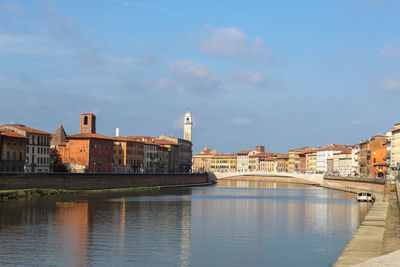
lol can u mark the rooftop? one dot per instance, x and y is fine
(27, 129)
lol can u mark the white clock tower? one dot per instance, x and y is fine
(187, 126)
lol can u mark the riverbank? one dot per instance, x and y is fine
(38, 192)
(377, 235)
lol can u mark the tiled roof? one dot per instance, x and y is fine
(300, 149)
(12, 134)
(285, 156)
(89, 136)
(244, 152)
(222, 155)
(28, 129)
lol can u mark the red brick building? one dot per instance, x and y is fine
(87, 151)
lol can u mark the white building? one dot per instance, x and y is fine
(325, 153)
(395, 151)
(354, 158)
(37, 148)
(243, 160)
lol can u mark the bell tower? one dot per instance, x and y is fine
(187, 127)
(88, 123)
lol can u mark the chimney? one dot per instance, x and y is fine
(117, 132)
(260, 148)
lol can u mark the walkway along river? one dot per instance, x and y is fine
(234, 223)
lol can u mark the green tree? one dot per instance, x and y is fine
(56, 164)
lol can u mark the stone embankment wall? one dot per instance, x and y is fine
(96, 181)
(370, 184)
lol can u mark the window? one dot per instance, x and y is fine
(85, 120)
(27, 149)
(20, 155)
(119, 161)
(14, 156)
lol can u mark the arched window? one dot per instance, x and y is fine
(85, 120)
(14, 156)
(8, 155)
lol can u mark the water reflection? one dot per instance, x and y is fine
(235, 223)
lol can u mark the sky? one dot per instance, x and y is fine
(283, 74)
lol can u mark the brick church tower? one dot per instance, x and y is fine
(88, 123)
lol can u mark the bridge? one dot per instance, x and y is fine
(349, 184)
(312, 178)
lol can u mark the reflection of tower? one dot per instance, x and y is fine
(187, 133)
(185, 238)
(88, 123)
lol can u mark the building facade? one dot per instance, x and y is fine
(128, 155)
(87, 151)
(297, 159)
(202, 161)
(223, 163)
(12, 151)
(37, 148)
(395, 151)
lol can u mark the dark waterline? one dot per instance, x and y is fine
(235, 223)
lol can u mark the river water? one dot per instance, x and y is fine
(235, 223)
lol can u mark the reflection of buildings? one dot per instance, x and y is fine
(72, 233)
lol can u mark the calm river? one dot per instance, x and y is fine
(234, 223)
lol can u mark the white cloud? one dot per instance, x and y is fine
(248, 77)
(389, 84)
(389, 51)
(194, 76)
(166, 84)
(239, 122)
(233, 42)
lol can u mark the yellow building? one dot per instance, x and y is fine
(223, 163)
(202, 160)
(282, 163)
(128, 155)
(311, 161)
(270, 164)
(254, 162)
(294, 158)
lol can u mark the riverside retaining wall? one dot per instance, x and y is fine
(74, 181)
(366, 184)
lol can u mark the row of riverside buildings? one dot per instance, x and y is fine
(376, 157)
(25, 149)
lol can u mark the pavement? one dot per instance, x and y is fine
(388, 260)
(367, 242)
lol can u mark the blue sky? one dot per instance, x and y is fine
(283, 74)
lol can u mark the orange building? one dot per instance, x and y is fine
(128, 155)
(87, 151)
(377, 146)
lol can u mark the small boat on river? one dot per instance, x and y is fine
(365, 196)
